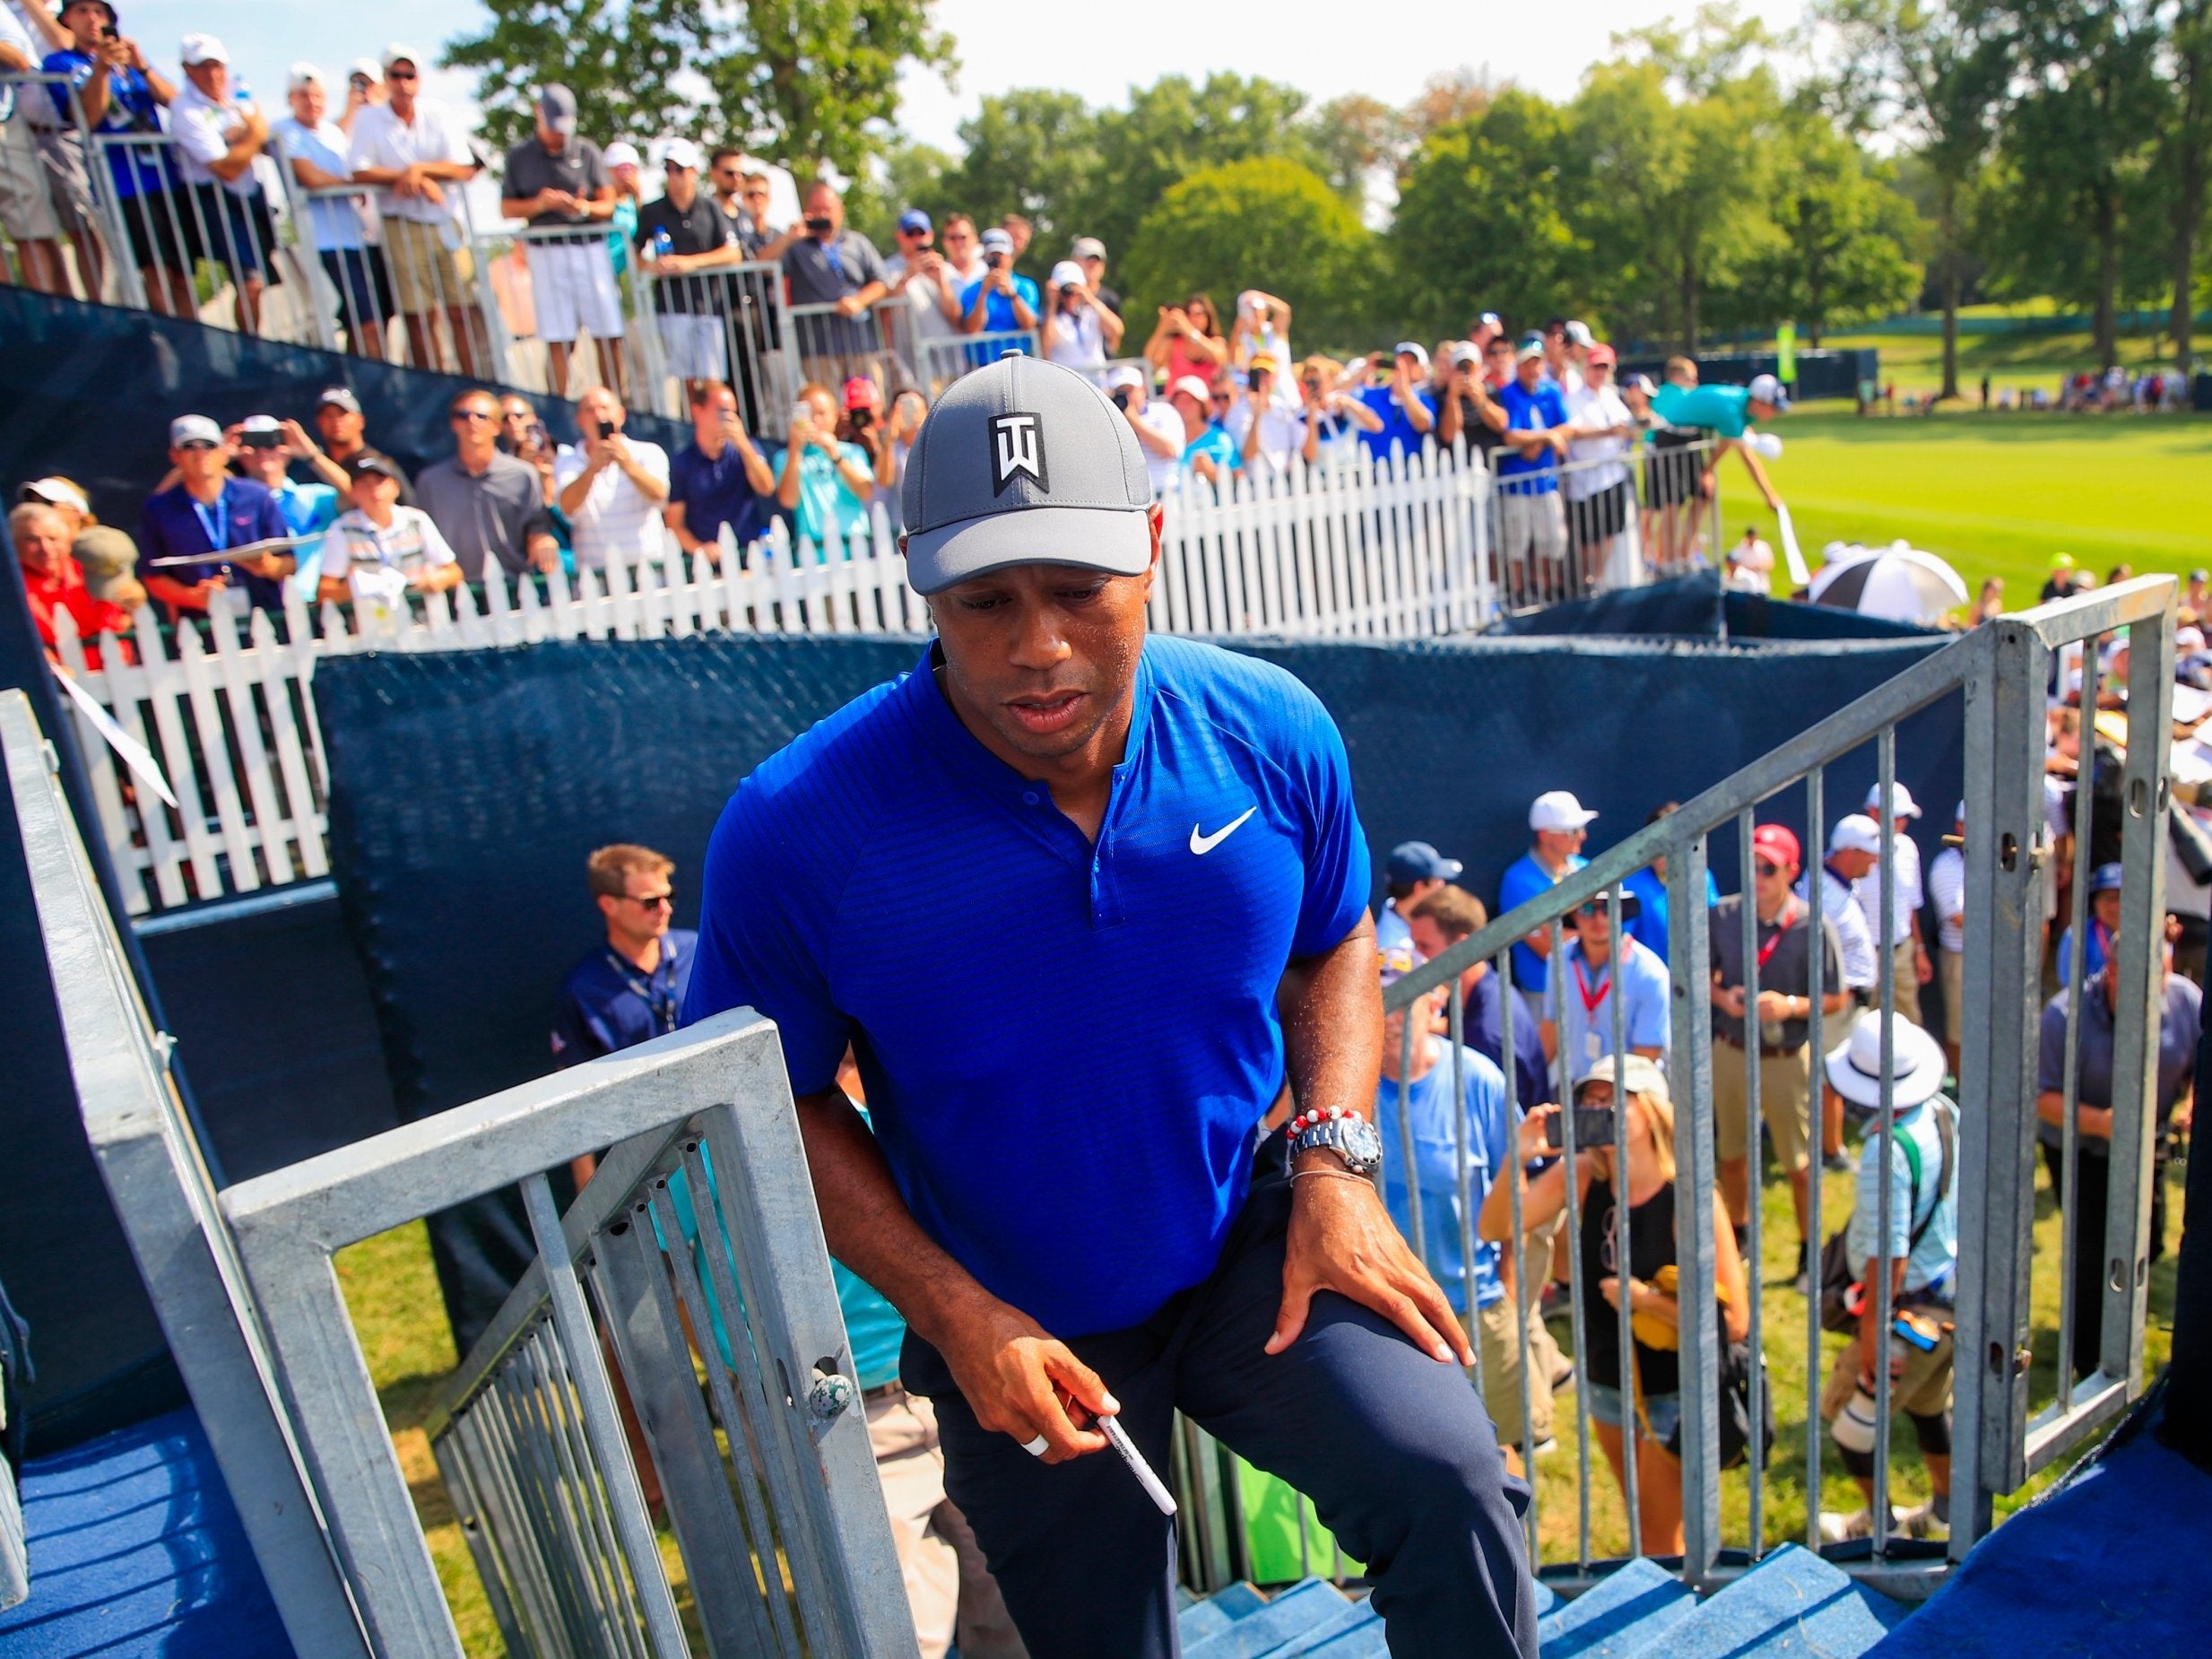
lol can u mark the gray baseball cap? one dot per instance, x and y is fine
(1023, 462)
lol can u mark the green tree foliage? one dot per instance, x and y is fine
(814, 83)
(1262, 222)
(1491, 218)
(2079, 142)
(1027, 152)
(1936, 73)
(1843, 254)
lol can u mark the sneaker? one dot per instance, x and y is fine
(1921, 1521)
(1838, 1162)
(1561, 1373)
(1546, 1446)
(1838, 1528)
(1804, 1285)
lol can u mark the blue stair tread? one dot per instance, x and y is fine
(1259, 1633)
(1635, 1607)
(1547, 1599)
(1200, 1621)
(1791, 1603)
(1346, 1620)
(137, 1551)
(1360, 1638)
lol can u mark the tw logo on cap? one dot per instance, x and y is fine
(1017, 448)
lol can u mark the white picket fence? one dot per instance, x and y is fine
(227, 706)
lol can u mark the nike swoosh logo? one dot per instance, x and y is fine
(1203, 844)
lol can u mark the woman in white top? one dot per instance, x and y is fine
(378, 550)
(1600, 495)
(1080, 334)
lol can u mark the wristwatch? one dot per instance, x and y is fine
(1343, 1131)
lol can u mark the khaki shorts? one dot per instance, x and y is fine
(427, 275)
(1785, 1102)
(1907, 970)
(1503, 1378)
(26, 214)
(1924, 1390)
(1951, 969)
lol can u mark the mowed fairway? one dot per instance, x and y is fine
(1999, 494)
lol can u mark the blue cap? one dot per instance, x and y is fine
(914, 219)
(2104, 879)
(1417, 861)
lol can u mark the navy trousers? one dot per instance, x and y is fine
(1394, 1449)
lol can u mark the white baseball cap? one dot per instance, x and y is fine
(1856, 834)
(1766, 389)
(1413, 349)
(676, 152)
(1557, 809)
(195, 49)
(1641, 1073)
(1067, 274)
(1129, 374)
(621, 152)
(368, 67)
(995, 240)
(193, 428)
(56, 492)
(303, 75)
(1578, 334)
(1902, 805)
(399, 52)
(1190, 386)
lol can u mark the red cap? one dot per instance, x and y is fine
(1601, 354)
(1777, 843)
(860, 393)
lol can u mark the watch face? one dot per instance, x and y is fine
(1364, 1142)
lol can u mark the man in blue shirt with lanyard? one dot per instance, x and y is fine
(630, 988)
(1066, 1191)
(186, 532)
(1557, 826)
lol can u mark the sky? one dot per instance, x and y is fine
(1303, 42)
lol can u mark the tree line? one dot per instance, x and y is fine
(1706, 178)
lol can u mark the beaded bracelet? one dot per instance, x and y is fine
(1321, 1114)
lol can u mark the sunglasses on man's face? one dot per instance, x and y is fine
(197, 444)
(652, 901)
(399, 74)
(1766, 869)
(473, 416)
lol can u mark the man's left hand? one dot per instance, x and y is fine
(1342, 1239)
(849, 306)
(1923, 969)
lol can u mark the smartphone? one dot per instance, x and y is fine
(1593, 1127)
(591, 428)
(261, 441)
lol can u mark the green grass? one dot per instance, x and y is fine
(1998, 495)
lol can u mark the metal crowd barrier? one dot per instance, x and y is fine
(798, 1558)
(80, 194)
(2000, 1437)
(724, 324)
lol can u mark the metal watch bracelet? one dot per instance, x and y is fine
(1350, 1137)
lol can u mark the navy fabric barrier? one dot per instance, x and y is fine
(1694, 607)
(88, 391)
(1819, 373)
(102, 1362)
(467, 789)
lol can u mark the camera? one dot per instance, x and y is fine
(1121, 400)
(261, 441)
(818, 225)
(994, 260)
(1593, 1127)
(860, 418)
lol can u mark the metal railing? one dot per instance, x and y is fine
(2000, 1437)
(530, 1441)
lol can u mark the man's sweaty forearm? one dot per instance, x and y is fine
(867, 1224)
(1332, 1023)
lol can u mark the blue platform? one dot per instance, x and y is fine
(2114, 1564)
(137, 1550)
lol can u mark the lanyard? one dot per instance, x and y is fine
(1789, 916)
(660, 1001)
(1591, 999)
(2101, 936)
(213, 521)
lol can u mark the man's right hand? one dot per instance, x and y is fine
(1019, 1381)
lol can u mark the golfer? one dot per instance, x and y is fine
(1078, 899)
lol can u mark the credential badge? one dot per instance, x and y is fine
(1017, 447)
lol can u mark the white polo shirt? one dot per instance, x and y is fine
(382, 140)
(202, 130)
(616, 524)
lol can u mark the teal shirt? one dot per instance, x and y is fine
(309, 509)
(625, 232)
(826, 511)
(1217, 445)
(1722, 409)
(872, 1328)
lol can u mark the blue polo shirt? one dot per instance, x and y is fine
(1586, 1004)
(1398, 433)
(606, 1003)
(1435, 1157)
(715, 492)
(1648, 926)
(173, 525)
(1066, 1076)
(998, 310)
(1524, 878)
(1531, 411)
